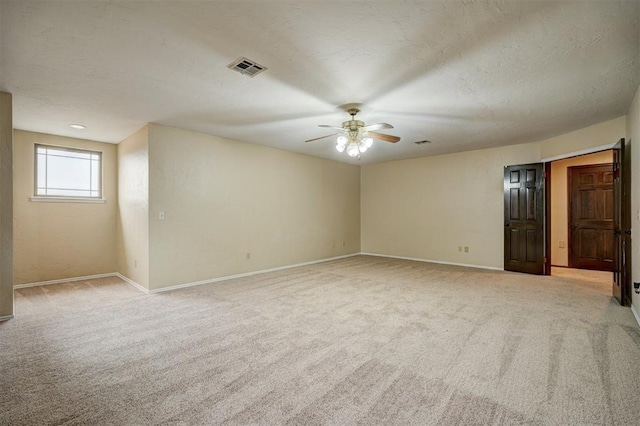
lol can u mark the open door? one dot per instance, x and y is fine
(524, 219)
(621, 224)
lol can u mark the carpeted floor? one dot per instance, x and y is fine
(362, 340)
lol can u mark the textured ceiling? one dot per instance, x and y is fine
(463, 74)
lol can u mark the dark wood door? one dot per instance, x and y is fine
(621, 224)
(591, 217)
(524, 218)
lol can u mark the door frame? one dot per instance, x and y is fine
(547, 220)
(547, 217)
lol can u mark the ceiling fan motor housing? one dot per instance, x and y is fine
(352, 124)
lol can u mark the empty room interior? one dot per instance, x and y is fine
(320, 212)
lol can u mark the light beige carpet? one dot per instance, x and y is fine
(362, 340)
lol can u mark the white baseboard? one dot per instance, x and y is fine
(441, 262)
(87, 277)
(247, 274)
(6, 318)
(131, 282)
(635, 314)
(178, 286)
(64, 280)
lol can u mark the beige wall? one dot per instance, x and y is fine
(427, 207)
(633, 134)
(133, 207)
(223, 199)
(6, 206)
(559, 202)
(54, 240)
(605, 133)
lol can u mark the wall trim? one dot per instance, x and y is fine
(6, 318)
(132, 283)
(441, 262)
(580, 152)
(247, 274)
(635, 314)
(178, 286)
(64, 280)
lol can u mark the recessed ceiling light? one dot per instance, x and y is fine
(77, 126)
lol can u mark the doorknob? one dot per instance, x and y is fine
(506, 224)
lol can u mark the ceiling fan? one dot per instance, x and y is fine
(355, 136)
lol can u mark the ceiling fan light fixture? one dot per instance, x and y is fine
(355, 137)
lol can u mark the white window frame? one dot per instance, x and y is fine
(66, 198)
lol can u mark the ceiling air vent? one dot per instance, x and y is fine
(422, 142)
(246, 67)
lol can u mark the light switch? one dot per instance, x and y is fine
(161, 216)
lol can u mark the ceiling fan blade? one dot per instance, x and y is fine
(331, 127)
(378, 126)
(322, 137)
(383, 137)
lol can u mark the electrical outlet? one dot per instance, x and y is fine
(466, 249)
(248, 256)
(344, 243)
(560, 244)
(460, 249)
(135, 263)
(161, 216)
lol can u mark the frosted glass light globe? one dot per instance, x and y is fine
(352, 150)
(342, 141)
(367, 142)
(340, 148)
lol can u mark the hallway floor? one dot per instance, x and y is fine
(601, 277)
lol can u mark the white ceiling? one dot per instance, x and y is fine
(463, 74)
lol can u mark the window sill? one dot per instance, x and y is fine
(41, 199)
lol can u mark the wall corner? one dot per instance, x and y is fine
(6, 206)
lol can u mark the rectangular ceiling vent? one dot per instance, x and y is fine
(422, 142)
(246, 67)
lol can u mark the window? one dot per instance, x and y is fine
(68, 173)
